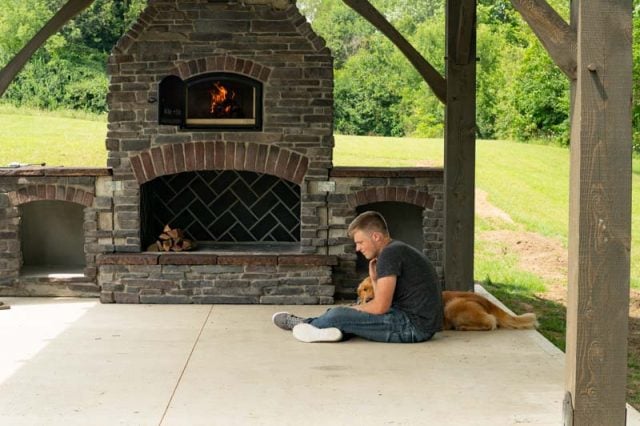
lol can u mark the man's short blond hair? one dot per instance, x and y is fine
(369, 222)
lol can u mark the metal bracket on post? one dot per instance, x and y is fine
(567, 410)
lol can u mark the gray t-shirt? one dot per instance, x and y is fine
(418, 292)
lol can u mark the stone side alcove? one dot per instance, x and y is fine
(49, 231)
(394, 193)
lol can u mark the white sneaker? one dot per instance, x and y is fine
(310, 334)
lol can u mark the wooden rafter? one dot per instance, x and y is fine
(68, 11)
(558, 38)
(432, 77)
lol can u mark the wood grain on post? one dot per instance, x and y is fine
(460, 145)
(600, 215)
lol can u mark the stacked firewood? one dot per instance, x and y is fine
(172, 240)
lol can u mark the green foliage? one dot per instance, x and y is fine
(520, 92)
(19, 21)
(65, 78)
(371, 102)
(492, 47)
(69, 70)
(102, 25)
(424, 115)
(539, 97)
(342, 28)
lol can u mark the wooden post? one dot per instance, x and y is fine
(600, 215)
(460, 144)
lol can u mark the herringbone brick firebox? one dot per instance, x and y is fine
(220, 124)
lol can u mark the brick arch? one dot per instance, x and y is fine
(186, 157)
(29, 193)
(400, 194)
(220, 63)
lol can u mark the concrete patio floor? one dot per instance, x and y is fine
(78, 362)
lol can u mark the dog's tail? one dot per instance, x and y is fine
(506, 320)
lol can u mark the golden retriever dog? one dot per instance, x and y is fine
(466, 311)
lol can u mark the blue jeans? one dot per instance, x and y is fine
(392, 327)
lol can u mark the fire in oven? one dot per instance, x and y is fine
(222, 101)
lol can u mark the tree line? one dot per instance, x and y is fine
(69, 70)
(521, 94)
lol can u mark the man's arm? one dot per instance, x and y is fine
(384, 288)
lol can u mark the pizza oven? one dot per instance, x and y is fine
(212, 101)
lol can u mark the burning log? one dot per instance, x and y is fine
(172, 239)
(223, 102)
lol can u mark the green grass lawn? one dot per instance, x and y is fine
(57, 139)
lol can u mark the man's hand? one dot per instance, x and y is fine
(373, 273)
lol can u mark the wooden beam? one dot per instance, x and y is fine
(64, 15)
(553, 32)
(427, 71)
(460, 144)
(599, 215)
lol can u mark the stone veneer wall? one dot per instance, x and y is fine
(201, 277)
(283, 279)
(25, 185)
(210, 278)
(189, 38)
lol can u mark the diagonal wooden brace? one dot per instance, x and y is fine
(557, 37)
(64, 15)
(432, 77)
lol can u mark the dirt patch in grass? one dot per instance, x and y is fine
(539, 255)
(548, 259)
(487, 210)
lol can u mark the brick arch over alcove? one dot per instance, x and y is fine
(222, 63)
(391, 193)
(30, 193)
(186, 157)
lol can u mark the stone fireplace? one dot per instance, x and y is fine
(220, 124)
(171, 142)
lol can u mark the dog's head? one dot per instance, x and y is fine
(365, 291)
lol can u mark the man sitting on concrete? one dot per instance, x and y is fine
(407, 306)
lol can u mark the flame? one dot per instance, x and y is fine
(221, 100)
